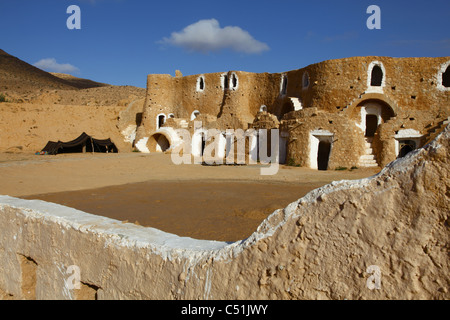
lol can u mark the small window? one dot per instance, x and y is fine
(377, 77)
(305, 80)
(194, 115)
(161, 120)
(200, 84)
(446, 78)
(284, 84)
(234, 81)
(225, 81)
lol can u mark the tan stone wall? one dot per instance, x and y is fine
(234, 108)
(347, 141)
(336, 83)
(319, 247)
(410, 98)
(28, 127)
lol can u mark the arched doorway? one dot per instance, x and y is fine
(373, 113)
(158, 143)
(371, 125)
(406, 146)
(286, 108)
(323, 155)
(446, 78)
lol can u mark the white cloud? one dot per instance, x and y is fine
(51, 65)
(207, 35)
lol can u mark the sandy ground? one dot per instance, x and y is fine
(224, 203)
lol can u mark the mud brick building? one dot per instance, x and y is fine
(353, 112)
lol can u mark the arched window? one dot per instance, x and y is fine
(446, 78)
(376, 79)
(160, 120)
(305, 80)
(225, 81)
(194, 115)
(234, 81)
(284, 84)
(200, 84)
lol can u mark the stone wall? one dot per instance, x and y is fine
(347, 140)
(28, 127)
(323, 246)
(410, 96)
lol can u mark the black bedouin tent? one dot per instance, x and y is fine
(83, 143)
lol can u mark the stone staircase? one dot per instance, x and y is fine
(184, 124)
(351, 102)
(296, 103)
(436, 130)
(368, 160)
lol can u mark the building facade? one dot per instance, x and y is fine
(353, 112)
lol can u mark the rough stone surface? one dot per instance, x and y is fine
(319, 247)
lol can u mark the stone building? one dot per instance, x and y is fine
(353, 112)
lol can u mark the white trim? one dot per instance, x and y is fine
(441, 71)
(194, 115)
(371, 108)
(407, 134)
(231, 87)
(315, 138)
(141, 145)
(199, 79)
(283, 85)
(222, 81)
(157, 120)
(375, 89)
(170, 134)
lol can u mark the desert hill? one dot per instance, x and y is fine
(79, 82)
(41, 106)
(19, 76)
(23, 83)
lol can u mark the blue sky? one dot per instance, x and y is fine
(121, 41)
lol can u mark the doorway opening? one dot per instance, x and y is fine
(406, 146)
(158, 143)
(371, 125)
(323, 155)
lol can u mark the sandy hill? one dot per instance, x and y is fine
(19, 76)
(79, 82)
(22, 82)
